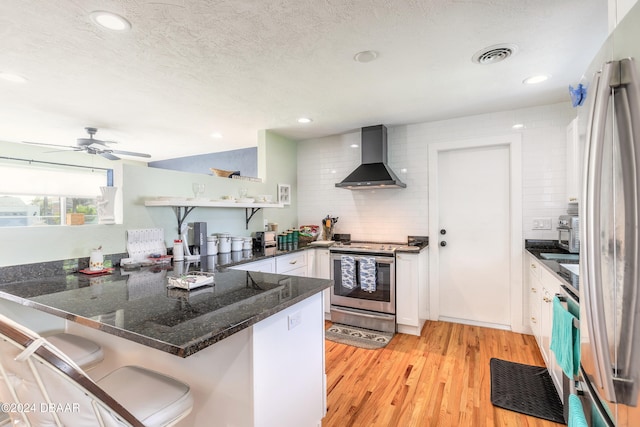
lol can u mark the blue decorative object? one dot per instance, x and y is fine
(578, 95)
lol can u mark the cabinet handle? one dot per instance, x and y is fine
(293, 262)
(534, 290)
(546, 299)
(533, 319)
(533, 266)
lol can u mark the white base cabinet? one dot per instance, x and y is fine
(411, 291)
(544, 285)
(319, 265)
(264, 266)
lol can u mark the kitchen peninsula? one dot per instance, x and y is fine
(251, 346)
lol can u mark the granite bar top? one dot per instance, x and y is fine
(138, 305)
(538, 247)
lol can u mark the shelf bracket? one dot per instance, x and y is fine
(181, 214)
(248, 217)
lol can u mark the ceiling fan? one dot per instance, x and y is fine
(94, 146)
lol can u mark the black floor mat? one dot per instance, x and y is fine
(525, 389)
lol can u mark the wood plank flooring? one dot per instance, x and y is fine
(441, 378)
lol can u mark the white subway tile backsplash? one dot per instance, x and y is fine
(387, 214)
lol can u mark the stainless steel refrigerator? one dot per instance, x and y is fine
(610, 232)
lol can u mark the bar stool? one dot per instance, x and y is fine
(84, 352)
(34, 372)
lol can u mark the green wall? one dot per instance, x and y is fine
(136, 182)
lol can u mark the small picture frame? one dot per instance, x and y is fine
(284, 194)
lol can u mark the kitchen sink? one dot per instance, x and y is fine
(561, 257)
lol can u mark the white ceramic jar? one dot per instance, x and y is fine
(212, 245)
(247, 243)
(224, 243)
(236, 244)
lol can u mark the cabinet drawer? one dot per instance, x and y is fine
(286, 263)
(534, 267)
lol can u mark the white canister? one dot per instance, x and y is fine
(212, 245)
(96, 260)
(247, 243)
(236, 244)
(178, 250)
(224, 243)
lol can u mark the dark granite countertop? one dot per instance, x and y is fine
(538, 247)
(137, 305)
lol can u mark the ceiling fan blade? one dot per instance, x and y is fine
(53, 145)
(108, 155)
(129, 153)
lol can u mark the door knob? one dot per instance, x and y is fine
(443, 244)
(443, 231)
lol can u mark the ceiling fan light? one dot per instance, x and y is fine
(110, 21)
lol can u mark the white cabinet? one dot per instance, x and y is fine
(288, 367)
(550, 287)
(535, 292)
(319, 265)
(544, 285)
(263, 266)
(294, 264)
(574, 159)
(411, 291)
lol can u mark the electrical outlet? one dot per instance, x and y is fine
(541, 224)
(294, 319)
(265, 224)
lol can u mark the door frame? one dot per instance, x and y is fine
(514, 144)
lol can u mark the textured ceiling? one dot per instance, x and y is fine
(188, 68)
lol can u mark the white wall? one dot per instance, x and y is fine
(386, 215)
(26, 245)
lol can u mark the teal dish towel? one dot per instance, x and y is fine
(576, 413)
(565, 339)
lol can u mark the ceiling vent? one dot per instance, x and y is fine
(495, 53)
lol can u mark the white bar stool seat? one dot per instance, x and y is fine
(84, 352)
(151, 397)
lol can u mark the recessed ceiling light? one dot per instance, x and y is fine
(13, 78)
(110, 20)
(216, 135)
(517, 126)
(304, 120)
(536, 79)
(354, 146)
(365, 56)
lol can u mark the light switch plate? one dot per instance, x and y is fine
(294, 319)
(541, 224)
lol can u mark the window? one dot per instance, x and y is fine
(41, 193)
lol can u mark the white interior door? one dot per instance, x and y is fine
(474, 213)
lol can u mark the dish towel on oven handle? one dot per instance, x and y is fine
(348, 271)
(368, 274)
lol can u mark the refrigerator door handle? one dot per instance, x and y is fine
(627, 105)
(592, 269)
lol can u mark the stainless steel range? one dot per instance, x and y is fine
(364, 290)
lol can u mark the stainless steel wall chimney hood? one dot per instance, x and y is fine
(373, 172)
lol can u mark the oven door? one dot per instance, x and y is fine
(382, 300)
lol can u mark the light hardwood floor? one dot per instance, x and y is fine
(441, 378)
